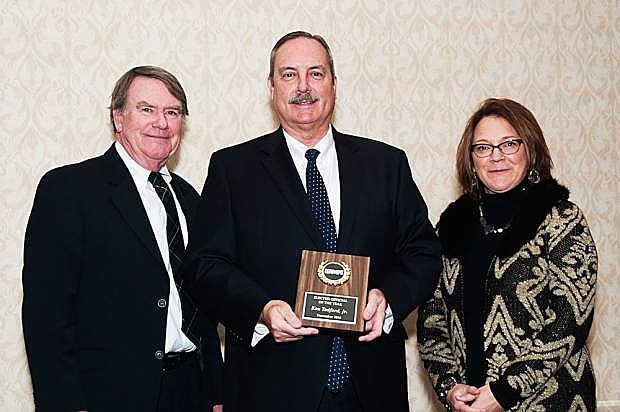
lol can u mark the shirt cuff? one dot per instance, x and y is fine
(388, 322)
(260, 331)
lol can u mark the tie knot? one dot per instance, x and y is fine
(312, 154)
(156, 179)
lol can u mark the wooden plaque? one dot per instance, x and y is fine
(332, 290)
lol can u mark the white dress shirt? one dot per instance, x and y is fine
(327, 163)
(176, 341)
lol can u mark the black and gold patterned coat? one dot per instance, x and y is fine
(538, 303)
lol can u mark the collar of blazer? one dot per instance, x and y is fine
(126, 199)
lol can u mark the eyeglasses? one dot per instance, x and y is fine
(509, 147)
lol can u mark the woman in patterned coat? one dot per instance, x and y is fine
(507, 326)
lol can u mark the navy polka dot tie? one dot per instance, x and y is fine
(319, 203)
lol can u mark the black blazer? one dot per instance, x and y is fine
(252, 223)
(93, 279)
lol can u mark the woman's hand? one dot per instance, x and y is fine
(486, 401)
(461, 396)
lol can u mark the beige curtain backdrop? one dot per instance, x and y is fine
(409, 73)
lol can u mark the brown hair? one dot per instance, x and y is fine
(119, 94)
(527, 128)
(295, 35)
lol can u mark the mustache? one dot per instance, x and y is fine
(303, 98)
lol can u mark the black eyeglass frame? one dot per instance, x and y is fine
(501, 147)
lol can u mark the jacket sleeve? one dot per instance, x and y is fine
(417, 264)
(436, 344)
(51, 274)
(215, 278)
(212, 365)
(570, 265)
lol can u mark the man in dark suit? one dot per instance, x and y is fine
(307, 186)
(107, 323)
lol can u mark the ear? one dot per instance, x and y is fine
(270, 86)
(118, 120)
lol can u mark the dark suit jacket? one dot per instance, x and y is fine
(252, 223)
(93, 279)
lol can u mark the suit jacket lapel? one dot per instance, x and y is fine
(351, 172)
(125, 198)
(279, 164)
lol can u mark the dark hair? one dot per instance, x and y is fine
(119, 94)
(527, 128)
(295, 35)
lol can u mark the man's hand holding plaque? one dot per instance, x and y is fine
(331, 291)
(282, 322)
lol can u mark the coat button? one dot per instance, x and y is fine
(161, 303)
(159, 354)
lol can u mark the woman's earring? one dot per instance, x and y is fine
(533, 176)
(474, 184)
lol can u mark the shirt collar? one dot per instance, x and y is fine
(298, 149)
(139, 174)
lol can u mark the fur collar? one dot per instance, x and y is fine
(459, 222)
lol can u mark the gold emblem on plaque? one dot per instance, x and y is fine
(334, 273)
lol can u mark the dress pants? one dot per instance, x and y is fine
(181, 388)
